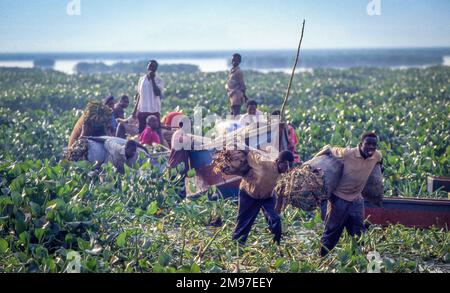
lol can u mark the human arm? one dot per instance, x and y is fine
(136, 105)
(332, 151)
(156, 84)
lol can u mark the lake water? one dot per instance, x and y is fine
(263, 61)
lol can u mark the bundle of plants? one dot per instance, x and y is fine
(95, 119)
(78, 151)
(302, 187)
(95, 115)
(231, 162)
(332, 170)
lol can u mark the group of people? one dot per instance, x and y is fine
(144, 122)
(345, 208)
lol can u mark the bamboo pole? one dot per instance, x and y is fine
(292, 75)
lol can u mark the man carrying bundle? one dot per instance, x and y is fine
(256, 192)
(346, 204)
(236, 86)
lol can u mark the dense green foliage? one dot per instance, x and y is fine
(409, 109)
(138, 223)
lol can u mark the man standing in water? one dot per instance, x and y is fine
(150, 89)
(236, 86)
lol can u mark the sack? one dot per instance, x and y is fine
(332, 169)
(374, 189)
(96, 151)
(302, 187)
(231, 162)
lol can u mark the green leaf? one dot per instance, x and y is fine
(83, 244)
(20, 226)
(82, 192)
(35, 209)
(121, 239)
(164, 259)
(3, 245)
(152, 208)
(195, 268)
(24, 236)
(279, 262)
(191, 173)
(294, 267)
(39, 233)
(138, 212)
(157, 268)
(50, 264)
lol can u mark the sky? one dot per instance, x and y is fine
(179, 25)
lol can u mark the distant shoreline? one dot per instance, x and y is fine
(207, 53)
(260, 60)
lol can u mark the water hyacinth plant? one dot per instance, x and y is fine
(56, 217)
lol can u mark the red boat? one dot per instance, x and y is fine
(410, 212)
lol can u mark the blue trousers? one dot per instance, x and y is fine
(248, 211)
(341, 214)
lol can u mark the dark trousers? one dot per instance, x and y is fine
(248, 211)
(142, 118)
(341, 214)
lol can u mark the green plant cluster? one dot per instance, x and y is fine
(138, 223)
(51, 210)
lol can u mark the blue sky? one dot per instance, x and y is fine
(176, 25)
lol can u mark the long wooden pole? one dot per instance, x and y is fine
(286, 97)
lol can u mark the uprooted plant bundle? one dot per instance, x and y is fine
(302, 187)
(307, 186)
(97, 114)
(78, 151)
(231, 162)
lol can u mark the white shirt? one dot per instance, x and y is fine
(148, 102)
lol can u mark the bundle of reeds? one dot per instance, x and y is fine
(302, 187)
(78, 151)
(97, 114)
(231, 162)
